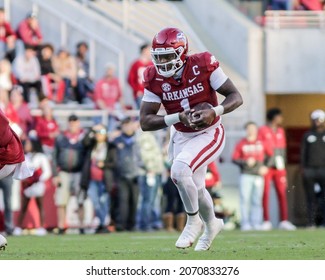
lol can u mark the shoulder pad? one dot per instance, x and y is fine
(205, 59)
(148, 75)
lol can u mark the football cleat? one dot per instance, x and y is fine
(210, 232)
(3, 243)
(189, 234)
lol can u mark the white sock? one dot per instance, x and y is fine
(205, 205)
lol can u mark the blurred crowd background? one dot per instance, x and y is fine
(70, 84)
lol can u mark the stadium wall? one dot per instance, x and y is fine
(295, 60)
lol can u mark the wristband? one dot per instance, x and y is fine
(218, 110)
(171, 119)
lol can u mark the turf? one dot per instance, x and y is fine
(229, 245)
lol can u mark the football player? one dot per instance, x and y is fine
(181, 82)
(12, 159)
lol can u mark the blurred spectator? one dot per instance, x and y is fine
(27, 70)
(7, 108)
(173, 213)
(6, 187)
(97, 173)
(68, 158)
(281, 4)
(29, 32)
(212, 178)
(108, 95)
(7, 37)
(222, 212)
(85, 84)
(34, 186)
(250, 155)
(273, 135)
(47, 130)
(135, 75)
(65, 66)
(150, 181)
(173, 216)
(7, 79)
(26, 121)
(313, 167)
(311, 5)
(128, 162)
(52, 84)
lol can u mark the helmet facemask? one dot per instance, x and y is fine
(167, 60)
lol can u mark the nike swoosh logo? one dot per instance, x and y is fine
(191, 80)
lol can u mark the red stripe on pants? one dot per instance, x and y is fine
(213, 142)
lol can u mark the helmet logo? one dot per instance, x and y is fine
(166, 87)
(180, 36)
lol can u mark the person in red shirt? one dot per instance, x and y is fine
(108, 90)
(273, 135)
(47, 130)
(7, 108)
(7, 36)
(136, 73)
(180, 82)
(250, 155)
(108, 95)
(29, 31)
(25, 118)
(212, 178)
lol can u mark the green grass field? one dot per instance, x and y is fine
(229, 245)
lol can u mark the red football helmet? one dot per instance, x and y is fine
(169, 49)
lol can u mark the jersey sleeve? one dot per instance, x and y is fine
(149, 96)
(217, 78)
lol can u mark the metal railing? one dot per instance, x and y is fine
(93, 39)
(144, 19)
(294, 19)
(87, 116)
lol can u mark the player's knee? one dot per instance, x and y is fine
(180, 171)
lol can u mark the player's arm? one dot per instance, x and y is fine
(149, 120)
(233, 98)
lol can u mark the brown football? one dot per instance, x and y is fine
(202, 106)
(198, 107)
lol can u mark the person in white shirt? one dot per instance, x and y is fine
(34, 186)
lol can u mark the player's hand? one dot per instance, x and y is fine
(202, 118)
(185, 117)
